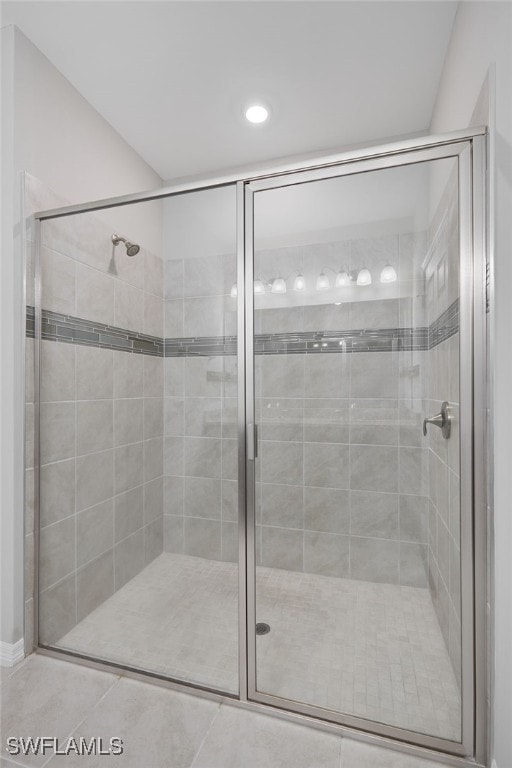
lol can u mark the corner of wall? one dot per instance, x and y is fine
(478, 66)
(10, 408)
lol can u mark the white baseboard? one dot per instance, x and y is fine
(11, 653)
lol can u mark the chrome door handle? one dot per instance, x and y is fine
(442, 420)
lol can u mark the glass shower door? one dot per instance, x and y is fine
(355, 571)
(137, 514)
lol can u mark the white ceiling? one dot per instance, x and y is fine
(173, 77)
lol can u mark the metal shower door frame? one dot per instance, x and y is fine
(470, 145)
(470, 156)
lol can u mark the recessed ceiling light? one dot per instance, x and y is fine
(256, 113)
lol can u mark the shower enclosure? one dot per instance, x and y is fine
(259, 438)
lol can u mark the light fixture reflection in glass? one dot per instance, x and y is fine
(364, 277)
(278, 286)
(259, 287)
(342, 280)
(322, 282)
(388, 274)
(234, 291)
(299, 284)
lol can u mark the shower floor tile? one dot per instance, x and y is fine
(371, 650)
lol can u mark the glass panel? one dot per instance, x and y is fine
(138, 437)
(357, 512)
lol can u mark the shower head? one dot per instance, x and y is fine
(132, 249)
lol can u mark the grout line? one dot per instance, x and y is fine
(214, 718)
(89, 713)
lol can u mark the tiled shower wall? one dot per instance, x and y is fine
(342, 493)
(101, 504)
(442, 290)
(200, 457)
(342, 473)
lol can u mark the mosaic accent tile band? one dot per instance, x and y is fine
(445, 326)
(388, 340)
(201, 346)
(75, 330)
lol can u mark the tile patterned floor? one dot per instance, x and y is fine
(161, 728)
(373, 650)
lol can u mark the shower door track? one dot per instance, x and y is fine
(470, 147)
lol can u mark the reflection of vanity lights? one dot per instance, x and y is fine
(364, 277)
(279, 285)
(322, 282)
(342, 279)
(388, 274)
(299, 284)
